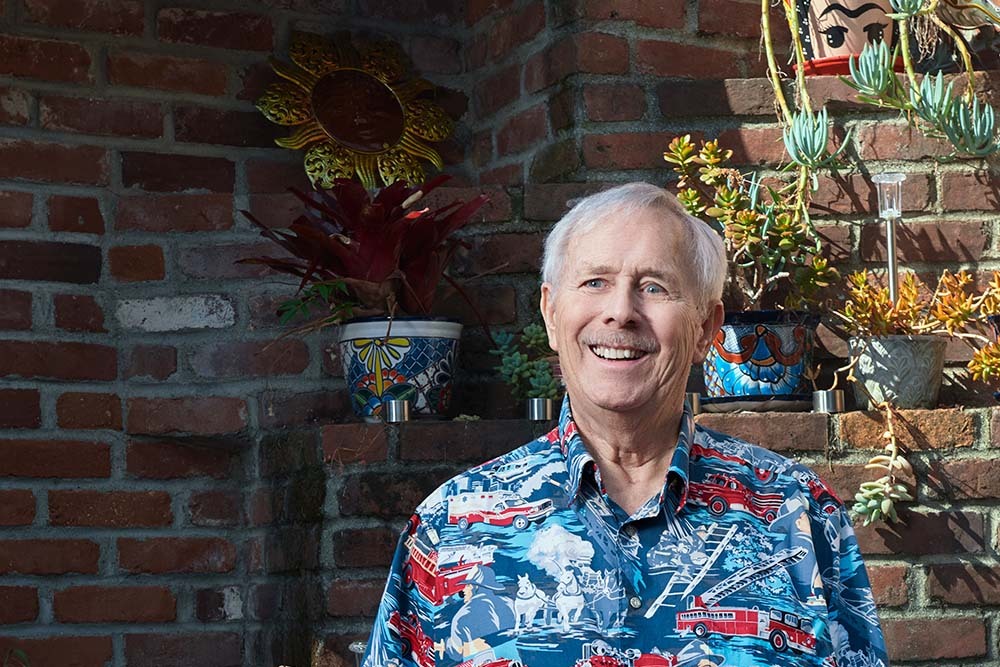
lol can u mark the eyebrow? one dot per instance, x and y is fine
(852, 13)
(601, 269)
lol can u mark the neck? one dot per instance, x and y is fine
(633, 452)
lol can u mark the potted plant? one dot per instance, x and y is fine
(530, 367)
(897, 356)
(763, 351)
(373, 263)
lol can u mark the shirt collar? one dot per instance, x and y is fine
(577, 456)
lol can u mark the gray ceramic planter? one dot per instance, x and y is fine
(905, 370)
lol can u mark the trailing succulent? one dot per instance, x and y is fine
(525, 363)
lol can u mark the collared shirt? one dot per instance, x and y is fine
(744, 558)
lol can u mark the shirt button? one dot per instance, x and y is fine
(635, 602)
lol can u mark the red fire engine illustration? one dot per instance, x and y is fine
(599, 653)
(412, 638)
(720, 493)
(782, 629)
(496, 508)
(438, 574)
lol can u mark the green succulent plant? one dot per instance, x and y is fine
(873, 75)
(971, 128)
(524, 363)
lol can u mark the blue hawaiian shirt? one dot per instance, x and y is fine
(744, 558)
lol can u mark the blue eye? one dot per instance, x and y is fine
(594, 283)
(653, 288)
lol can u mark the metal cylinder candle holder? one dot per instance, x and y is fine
(890, 209)
(358, 649)
(828, 401)
(694, 400)
(396, 411)
(540, 409)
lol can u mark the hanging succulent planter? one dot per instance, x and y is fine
(832, 32)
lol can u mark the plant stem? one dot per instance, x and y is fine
(962, 50)
(772, 63)
(904, 41)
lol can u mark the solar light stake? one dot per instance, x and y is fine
(890, 208)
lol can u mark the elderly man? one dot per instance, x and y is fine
(628, 536)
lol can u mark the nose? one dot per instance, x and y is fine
(620, 305)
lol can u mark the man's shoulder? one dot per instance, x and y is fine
(521, 470)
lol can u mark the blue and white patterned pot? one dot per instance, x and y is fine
(414, 359)
(761, 354)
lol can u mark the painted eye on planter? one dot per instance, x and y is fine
(835, 35)
(875, 32)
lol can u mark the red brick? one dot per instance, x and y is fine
(20, 604)
(220, 261)
(250, 359)
(48, 556)
(50, 261)
(46, 59)
(20, 408)
(968, 191)
(496, 209)
(610, 102)
(647, 13)
(364, 547)
(183, 75)
(728, 97)
(498, 90)
(75, 214)
(15, 310)
(964, 583)
(14, 107)
(121, 17)
(601, 53)
(556, 161)
(17, 507)
(552, 201)
(253, 80)
(632, 150)
(915, 429)
(353, 597)
(385, 495)
(89, 651)
(935, 638)
(123, 118)
(740, 19)
(60, 361)
(205, 415)
(964, 479)
(154, 362)
(159, 172)
(54, 163)
(513, 29)
(281, 409)
(844, 478)
(216, 604)
(109, 509)
(754, 145)
(118, 604)
(175, 213)
(512, 174)
(226, 30)
(221, 126)
(215, 508)
(83, 410)
(888, 141)
(522, 131)
(470, 442)
(501, 253)
(136, 263)
(928, 533)
(54, 458)
(476, 10)
(550, 65)
(203, 649)
(15, 209)
(942, 241)
(171, 460)
(889, 585)
(780, 431)
(495, 304)
(685, 60)
(176, 554)
(354, 443)
(78, 312)
(855, 194)
(273, 176)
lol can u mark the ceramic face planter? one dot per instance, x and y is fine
(834, 30)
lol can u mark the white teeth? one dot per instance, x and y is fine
(616, 353)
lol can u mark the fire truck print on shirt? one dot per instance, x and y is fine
(745, 558)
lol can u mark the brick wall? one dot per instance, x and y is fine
(176, 488)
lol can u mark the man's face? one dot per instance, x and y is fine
(843, 27)
(623, 316)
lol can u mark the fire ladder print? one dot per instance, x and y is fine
(717, 539)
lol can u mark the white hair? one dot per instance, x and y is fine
(701, 244)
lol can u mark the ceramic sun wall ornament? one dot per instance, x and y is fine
(357, 111)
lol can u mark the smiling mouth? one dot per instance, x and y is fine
(616, 353)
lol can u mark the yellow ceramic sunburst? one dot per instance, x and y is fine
(356, 112)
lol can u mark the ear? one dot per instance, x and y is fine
(547, 304)
(709, 327)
